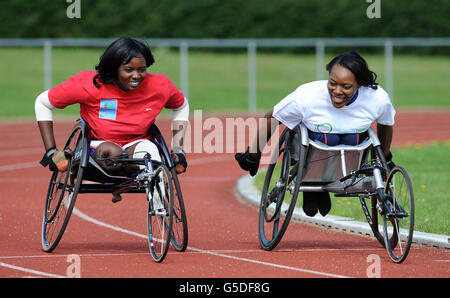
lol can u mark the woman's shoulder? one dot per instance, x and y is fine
(158, 80)
(86, 74)
(312, 89)
(314, 85)
(371, 93)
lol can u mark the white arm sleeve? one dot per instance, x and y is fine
(43, 108)
(182, 113)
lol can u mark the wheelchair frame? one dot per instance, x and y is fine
(346, 171)
(65, 186)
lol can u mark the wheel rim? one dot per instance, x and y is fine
(179, 226)
(61, 195)
(160, 214)
(399, 224)
(274, 217)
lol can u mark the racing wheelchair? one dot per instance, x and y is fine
(166, 220)
(302, 164)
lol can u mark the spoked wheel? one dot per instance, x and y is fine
(398, 222)
(160, 213)
(179, 227)
(274, 216)
(62, 193)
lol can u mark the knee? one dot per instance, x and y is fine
(146, 147)
(105, 150)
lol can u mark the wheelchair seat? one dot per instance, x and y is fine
(325, 164)
(97, 180)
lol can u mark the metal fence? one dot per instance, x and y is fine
(250, 44)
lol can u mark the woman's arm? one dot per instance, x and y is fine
(263, 134)
(385, 133)
(44, 116)
(180, 122)
(249, 160)
(48, 137)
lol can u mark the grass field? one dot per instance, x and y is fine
(218, 81)
(428, 169)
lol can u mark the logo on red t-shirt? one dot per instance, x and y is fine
(108, 109)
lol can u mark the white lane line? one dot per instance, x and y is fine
(19, 166)
(115, 228)
(23, 151)
(230, 251)
(30, 270)
(106, 225)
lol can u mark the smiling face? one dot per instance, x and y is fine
(342, 86)
(131, 74)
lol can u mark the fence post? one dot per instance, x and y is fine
(252, 99)
(320, 58)
(184, 68)
(47, 64)
(389, 68)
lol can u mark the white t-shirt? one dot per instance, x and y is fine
(311, 104)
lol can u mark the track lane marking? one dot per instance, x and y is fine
(87, 218)
(30, 270)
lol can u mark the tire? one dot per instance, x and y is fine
(373, 217)
(398, 226)
(160, 213)
(274, 216)
(179, 227)
(62, 193)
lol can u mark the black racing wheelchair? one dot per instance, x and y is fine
(166, 220)
(361, 171)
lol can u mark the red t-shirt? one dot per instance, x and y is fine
(113, 114)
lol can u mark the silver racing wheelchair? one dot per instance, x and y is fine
(360, 171)
(158, 181)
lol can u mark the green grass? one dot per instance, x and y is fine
(428, 169)
(218, 81)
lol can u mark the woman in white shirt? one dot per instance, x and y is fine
(335, 111)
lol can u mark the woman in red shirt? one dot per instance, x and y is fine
(120, 101)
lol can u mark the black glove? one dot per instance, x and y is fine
(248, 162)
(55, 159)
(179, 159)
(390, 164)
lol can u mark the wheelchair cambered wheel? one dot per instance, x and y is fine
(62, 193)
(398, 221)
(160, 213)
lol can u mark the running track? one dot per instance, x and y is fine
(110, 239)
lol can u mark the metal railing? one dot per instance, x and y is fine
(251, 44)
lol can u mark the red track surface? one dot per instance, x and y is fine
(223, 238)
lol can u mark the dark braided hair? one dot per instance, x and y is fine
(121, 51)
(358, 66)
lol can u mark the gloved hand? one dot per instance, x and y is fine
(247, 161)
(55, 159)
(179, 158)
(390, 164)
